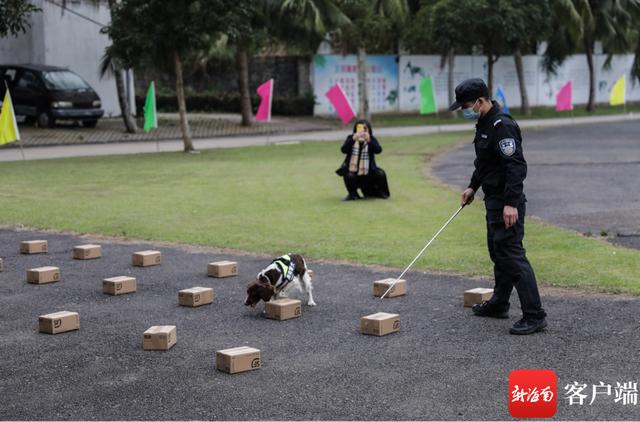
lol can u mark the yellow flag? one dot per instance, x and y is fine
(8, 126)
(617, 93)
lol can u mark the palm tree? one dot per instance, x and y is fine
(373, 24)
(110, 65)
(588, 21)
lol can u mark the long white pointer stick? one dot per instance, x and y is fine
(422, 251)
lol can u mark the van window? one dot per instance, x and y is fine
(63, 79)
(27, 80)
(10, 74)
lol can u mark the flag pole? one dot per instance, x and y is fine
(21, 149)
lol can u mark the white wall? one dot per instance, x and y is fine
(58, 37)
(541, 88)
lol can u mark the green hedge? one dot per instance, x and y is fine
(283, 106)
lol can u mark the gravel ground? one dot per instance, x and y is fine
(443, 364)
(582, 177)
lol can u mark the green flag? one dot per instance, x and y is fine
(150, 115)
(427, 96)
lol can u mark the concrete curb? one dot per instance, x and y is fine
(123, 148)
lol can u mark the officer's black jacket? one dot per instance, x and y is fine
(500, 166)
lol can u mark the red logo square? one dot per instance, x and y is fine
(533, 393)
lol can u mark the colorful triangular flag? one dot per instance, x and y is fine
(150, 112)
(265, 91)
(564, 99)
(8, 126)
(341, 103)
(427, 96)
(618, 92)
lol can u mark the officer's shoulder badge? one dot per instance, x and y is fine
(507, 146)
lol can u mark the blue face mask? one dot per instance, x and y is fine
(468, 113)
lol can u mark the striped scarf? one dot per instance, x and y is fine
(359, 162)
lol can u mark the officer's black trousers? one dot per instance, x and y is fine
(511, 266)
(372, 185)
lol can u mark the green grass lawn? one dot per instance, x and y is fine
(444, 118)
(276, 199)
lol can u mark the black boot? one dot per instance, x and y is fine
(488, 310)
(528, 326)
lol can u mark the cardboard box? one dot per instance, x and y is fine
(195, 296)
(160, 337)
(238, 359)
(146, 258)
(477, 295)
(283, 309)
(87, 252)
(43, 275)
(59, 322)
(34, 246)
(381, 286)
(222, 269)
(380, 324)
(1, 264)
(119, 285)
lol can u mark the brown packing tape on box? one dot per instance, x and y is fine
(381, 286)
(87, 252)
(34, 246)
(195, 296)
(146, 258)
(43, 275)
(238, 359)
(119, 285)
(222, 269)
(477, 296)
(283, 309)
(380, 324)
(160, 337)
(59, 322)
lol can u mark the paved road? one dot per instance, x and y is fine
(582, 177)
(443, 364)
(60, 151)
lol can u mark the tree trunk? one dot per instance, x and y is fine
(242, 62)
(588, 48)
(182, 106)
(363, 97)
(525, 108)
(451, 57)
(490, 73)
(125, 110)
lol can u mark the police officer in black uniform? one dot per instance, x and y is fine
(500, 168)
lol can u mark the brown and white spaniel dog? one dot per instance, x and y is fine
(283, 274)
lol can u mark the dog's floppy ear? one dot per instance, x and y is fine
(266, 291)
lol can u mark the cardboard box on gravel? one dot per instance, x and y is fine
(119, 285)
(380, 324)
(238, 359)
(43, 275)
(34, 246)
(146, 258)
(59, 322)
(160, 337)
(195, 296)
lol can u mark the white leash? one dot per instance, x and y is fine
(422, 251)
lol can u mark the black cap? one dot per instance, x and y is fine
(469, 90)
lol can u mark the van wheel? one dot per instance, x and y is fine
(89, 123)
(45, 120)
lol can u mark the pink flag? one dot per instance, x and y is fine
(341, 103)
(563, 99)
(265, 91)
